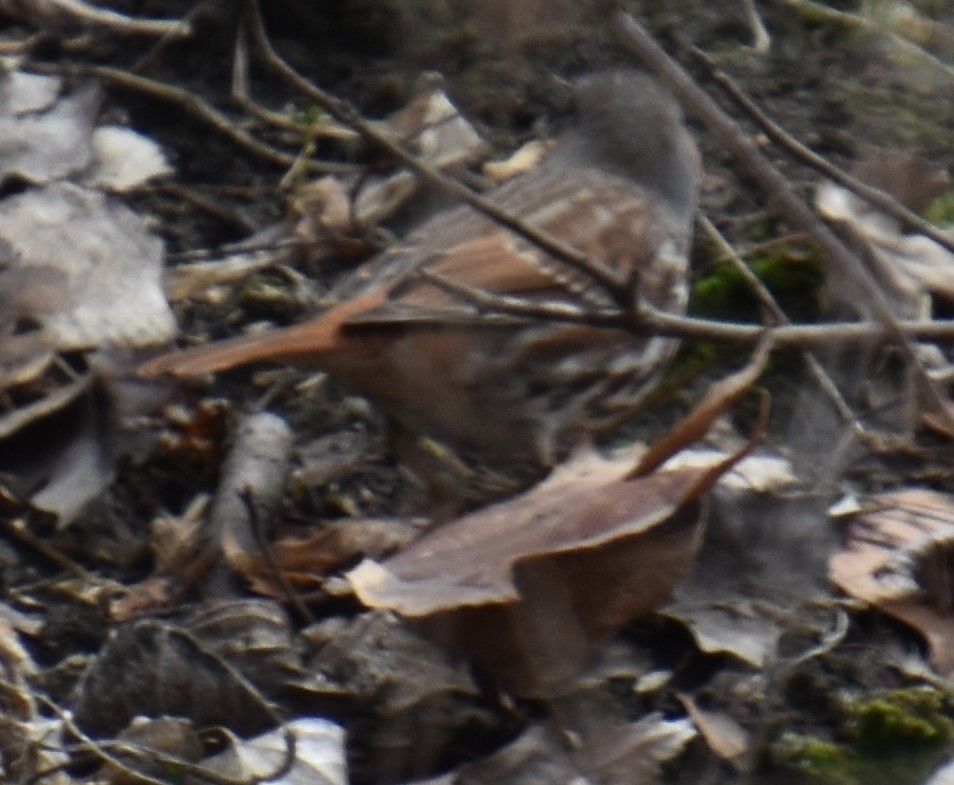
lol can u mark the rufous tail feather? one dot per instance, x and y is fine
(301, 344)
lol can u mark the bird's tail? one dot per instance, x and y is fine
(304, 344)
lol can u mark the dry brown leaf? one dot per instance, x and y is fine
(898, 557)
(725, 737)
(908, 266)
(765, 555)
(304, 562)
(436, 129)
(121, 682)
(526, 588)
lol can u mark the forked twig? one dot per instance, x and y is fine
(880, 199)
(193, 105)
(641, 45)
(815, 368)
(485, 308)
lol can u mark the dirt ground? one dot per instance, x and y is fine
(848, 694)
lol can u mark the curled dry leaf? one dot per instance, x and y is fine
(899, 557)
(78, 271)
(309, 751)
(909, 266)
(765, 555)
(121, 683)
(526, 588)
(436, 129)
(169, 738)
(407, 703)
(329, 224)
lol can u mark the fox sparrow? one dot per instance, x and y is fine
(621, 188)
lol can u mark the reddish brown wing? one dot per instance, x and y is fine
(609, 220)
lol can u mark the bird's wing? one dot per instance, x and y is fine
(459, 262)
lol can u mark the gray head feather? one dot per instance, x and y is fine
(631, 127)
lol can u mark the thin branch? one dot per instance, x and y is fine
(115, 752)
(91, 745)
(118, 22)
(819, 10)
(268, 553)
(482, 308)
(192, 105)
(880, 199)
(797, 336)
(323, 128)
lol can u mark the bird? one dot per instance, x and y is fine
(412, 330)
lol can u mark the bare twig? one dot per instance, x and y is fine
(160, 46)
(798, 336)
(880, 199)
(116, 22)
(761, 40)
(323, 128)
(485, 308)
(19, 47)
(821, 376)
(17, 529)
(746, 153)
(192, 105)
(265, 548)
(91, 745)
